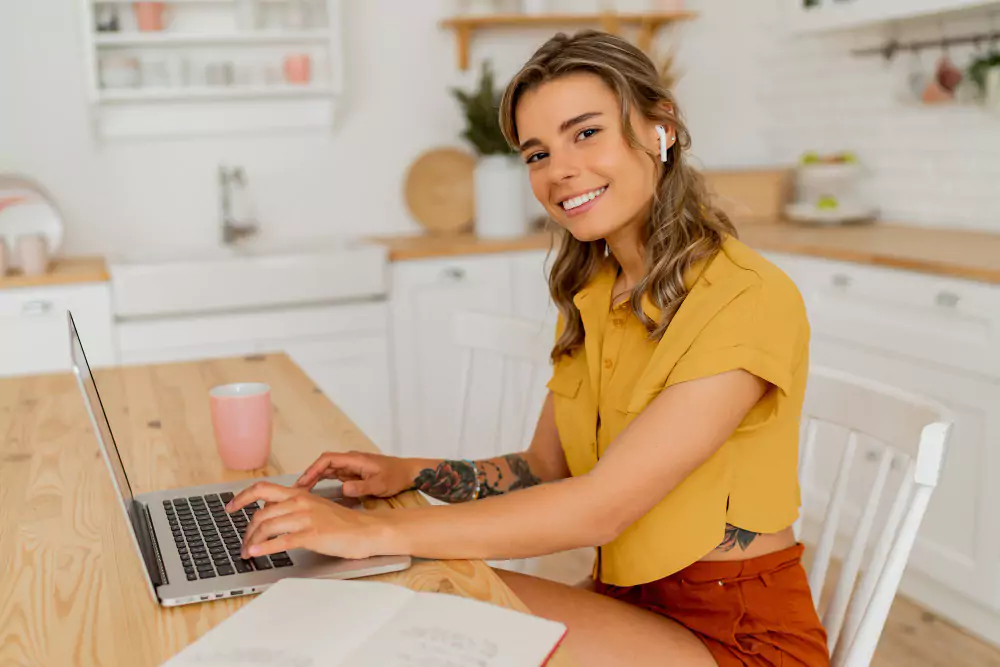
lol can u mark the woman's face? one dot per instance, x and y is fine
(581, 166)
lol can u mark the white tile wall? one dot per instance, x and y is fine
(929, 165)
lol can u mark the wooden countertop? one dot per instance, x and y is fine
(64, 271)
(72, 588)
(956, 253)
(426, 246)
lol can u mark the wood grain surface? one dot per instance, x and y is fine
(63, 271)
(71, 587)
(956, 253)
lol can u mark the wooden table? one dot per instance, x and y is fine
(71, 589)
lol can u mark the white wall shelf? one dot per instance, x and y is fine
(194, 94)
(161, 82)
(833, 15)
(156, 39)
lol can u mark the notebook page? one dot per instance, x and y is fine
(438, 630)
(297, 623)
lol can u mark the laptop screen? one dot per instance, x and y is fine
(99, 419)
(82, 370)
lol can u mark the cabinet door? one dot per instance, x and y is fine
(353, 372)
(425, 296)
(34, 334)
(957, 544)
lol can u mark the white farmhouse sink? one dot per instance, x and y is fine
(251, 277)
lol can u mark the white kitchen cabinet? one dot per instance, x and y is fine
(938, 337)
(343, 348)
(425, 296)
(806, 16)
(34, 334)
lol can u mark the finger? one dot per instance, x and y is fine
(266, 491)
(330, 461)
(279, 543)
(271, 511)
(290, 523)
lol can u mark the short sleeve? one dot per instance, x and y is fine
(763, 331)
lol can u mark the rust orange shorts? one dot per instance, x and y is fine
(755, 612)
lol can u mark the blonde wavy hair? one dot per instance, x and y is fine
(683, 227)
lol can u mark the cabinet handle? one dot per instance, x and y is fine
(37, 307)
(947, 299)
(841, 280)
(454, 273)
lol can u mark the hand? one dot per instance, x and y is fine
(363, 474)
(294, 518)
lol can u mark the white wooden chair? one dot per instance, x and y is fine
(504, 367)
(903, 433)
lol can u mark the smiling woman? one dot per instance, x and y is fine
(669, 437)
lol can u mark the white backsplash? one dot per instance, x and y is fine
(934, 166)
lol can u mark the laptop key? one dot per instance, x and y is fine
(191, 576)
(261, 563)
(282, 563)
(226, 497)
(225, 570)
(206, 575)
(242, 565)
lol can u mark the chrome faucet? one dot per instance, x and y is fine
(233, 230)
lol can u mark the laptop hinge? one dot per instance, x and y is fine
(152, 543)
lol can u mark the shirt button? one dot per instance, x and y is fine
(618, 322)
(608, 363)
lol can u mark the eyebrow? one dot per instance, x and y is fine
(567, 124)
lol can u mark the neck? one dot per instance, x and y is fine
(626, 245)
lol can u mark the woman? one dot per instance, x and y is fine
(671, 425)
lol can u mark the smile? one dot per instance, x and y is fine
(580, 200)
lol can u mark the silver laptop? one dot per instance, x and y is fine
(189, 545)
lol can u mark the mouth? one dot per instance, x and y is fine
(580, 203)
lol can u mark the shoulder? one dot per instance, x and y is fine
(759, 286)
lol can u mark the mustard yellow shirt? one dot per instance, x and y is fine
(741, 312)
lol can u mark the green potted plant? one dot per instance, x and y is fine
(499, 176)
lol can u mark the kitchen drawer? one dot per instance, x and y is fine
(34, 335)
(936, 320)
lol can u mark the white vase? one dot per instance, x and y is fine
(499, 187)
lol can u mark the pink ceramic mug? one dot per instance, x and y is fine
(149, 15)
(241, 419)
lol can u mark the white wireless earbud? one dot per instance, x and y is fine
(663, 142)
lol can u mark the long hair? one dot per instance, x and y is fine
(683, 227)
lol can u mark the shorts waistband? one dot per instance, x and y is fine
(706, 571)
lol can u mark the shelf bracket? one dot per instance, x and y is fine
(464, 35)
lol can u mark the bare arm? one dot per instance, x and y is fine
(676, 433)
(679, 430)
(456, 481)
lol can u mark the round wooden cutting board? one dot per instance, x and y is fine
(440, 191)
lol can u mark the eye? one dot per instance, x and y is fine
(535, 157)
(589, 132)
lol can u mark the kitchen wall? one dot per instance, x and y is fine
(930, 166)
(749, 99)
(128, 195)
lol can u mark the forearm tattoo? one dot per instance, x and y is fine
(456, 481)
(736, 536)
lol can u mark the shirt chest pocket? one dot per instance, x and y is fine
(576, 418)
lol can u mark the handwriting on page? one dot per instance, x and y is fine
(438, 647)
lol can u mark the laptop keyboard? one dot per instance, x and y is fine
(208, 539)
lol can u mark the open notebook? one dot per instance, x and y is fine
(313, 622)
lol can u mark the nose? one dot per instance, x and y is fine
(562, 166)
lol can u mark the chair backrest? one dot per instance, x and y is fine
(902, 432)
(503, 371)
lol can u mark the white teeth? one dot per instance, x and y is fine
(570, 204)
